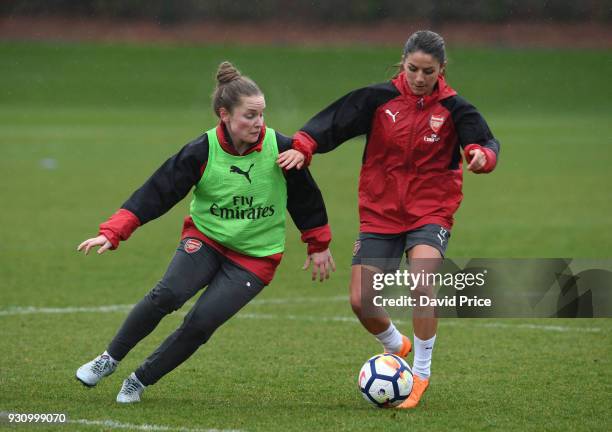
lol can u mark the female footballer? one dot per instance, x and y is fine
(232, 240)
(410, 183)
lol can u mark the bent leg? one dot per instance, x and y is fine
(185, 276)
(373, 253)
(373, 318)
(229, 291)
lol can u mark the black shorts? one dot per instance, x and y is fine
(385, 251)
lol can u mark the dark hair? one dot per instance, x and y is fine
(428, 42)
(231, 87)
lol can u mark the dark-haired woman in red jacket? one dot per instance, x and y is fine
(410, 183)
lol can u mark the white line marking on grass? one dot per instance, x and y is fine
(542, 327)
(287, 300)
(555, 328)
(25, 310)
(298, 317)
(113, 424)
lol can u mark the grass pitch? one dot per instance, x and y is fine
(83, 125)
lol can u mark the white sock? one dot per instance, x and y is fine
(391, 339)
(111, 357)
(422, 356)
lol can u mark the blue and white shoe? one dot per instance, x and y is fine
(131, 390)
(102, 366)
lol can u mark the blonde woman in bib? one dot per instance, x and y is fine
(232, 240)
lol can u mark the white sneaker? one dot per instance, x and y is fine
(131, 390)
(102, 366)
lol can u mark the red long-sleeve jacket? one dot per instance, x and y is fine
(412, 166)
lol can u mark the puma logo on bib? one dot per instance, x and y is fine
(237, 170)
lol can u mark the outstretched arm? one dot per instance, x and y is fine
(164, 189)
(346, 118)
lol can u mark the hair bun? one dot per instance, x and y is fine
(227, 73)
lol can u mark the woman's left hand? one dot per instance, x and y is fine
(479, 160)
(322, 263)
(290, 158)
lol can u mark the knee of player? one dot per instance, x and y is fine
(164, 298)
(356, 304)
(423, 290)
(198, 332)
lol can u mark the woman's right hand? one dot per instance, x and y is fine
(96, 241)
(291, 158)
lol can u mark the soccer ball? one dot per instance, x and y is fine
(385, 380)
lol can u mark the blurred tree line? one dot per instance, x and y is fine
(171, 12)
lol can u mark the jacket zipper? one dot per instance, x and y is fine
(420, 106)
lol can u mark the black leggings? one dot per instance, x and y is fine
(230, 288)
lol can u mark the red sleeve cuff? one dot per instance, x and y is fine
(318, 239)
(305, 144)
(490, 155)
(119, 227)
